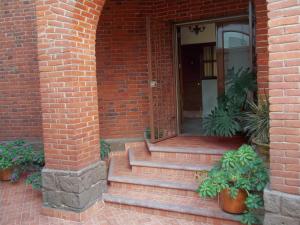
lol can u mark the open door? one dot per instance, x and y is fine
(161, 80)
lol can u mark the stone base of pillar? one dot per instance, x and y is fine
(281, 208)
(73, 191)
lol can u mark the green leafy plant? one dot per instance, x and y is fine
(224, 120)
(104, 150)
(35, 176)
(239, 169)
(17, 155)
(35, 180)
(256, 122)
(158, 133)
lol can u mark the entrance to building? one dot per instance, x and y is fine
(204, 54)
(208, 54)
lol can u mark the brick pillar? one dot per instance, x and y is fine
(282, 200)
(74, 177)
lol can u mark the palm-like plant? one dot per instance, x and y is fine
(255, 121)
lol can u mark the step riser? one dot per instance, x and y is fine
(163, 173)
(206, 159)
(153, 189)
(200, 219)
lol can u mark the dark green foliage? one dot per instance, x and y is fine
(224, 120)
(239, 84)
(240, 169)
(250, 218)
(35, 180)
(17, 155)
(104, 149)
(158, 133)
(256, 121)
(148, 133)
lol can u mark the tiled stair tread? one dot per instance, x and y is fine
(119, 167)
(135, 159)
(187, 150)
(153, 182)
(114, 175)
(174, 204)
(211, 142)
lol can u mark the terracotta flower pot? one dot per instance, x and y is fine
(231, 205)
(263, 150)
(5, 174)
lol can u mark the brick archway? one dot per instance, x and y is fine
(74, 177)
(66, 54)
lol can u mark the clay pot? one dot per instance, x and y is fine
(5, 174)
(263, 150)
(231, 205)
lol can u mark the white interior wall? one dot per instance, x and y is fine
(208, 35)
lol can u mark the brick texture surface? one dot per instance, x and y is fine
(122, 55)
(284, 28)
(122, 73)
(20, 110)
(121, 48)
(66, 53)
(20, 205)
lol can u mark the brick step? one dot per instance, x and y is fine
(143, 164)
(121, 175)
(148, 161)
(201, 150)
(199, 155)
(197, 209)
(155, 187)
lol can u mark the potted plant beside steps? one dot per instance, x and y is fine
(256, 125)
(238, 179)
(15, 158)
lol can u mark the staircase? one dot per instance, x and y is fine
(160, 178)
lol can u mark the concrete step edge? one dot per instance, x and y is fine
(154, 204)
(187, 150)
(146, 181)
(166, 165)
(153, 183)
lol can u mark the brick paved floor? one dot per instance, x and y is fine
(20, 205)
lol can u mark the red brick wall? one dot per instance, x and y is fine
(122, 55)
(284, 77)
(67, 64)
(121, 61)
(262, 52)
(122, 69)
(20, 110)
(189, 10)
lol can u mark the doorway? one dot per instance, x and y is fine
(197, 76)
(207, 55)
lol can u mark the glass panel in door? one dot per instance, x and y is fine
(233, 43)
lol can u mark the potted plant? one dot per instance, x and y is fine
(239, 179)
(256, 125)
(15, 158)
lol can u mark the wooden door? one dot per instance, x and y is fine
(162, 83)
(191, 77)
